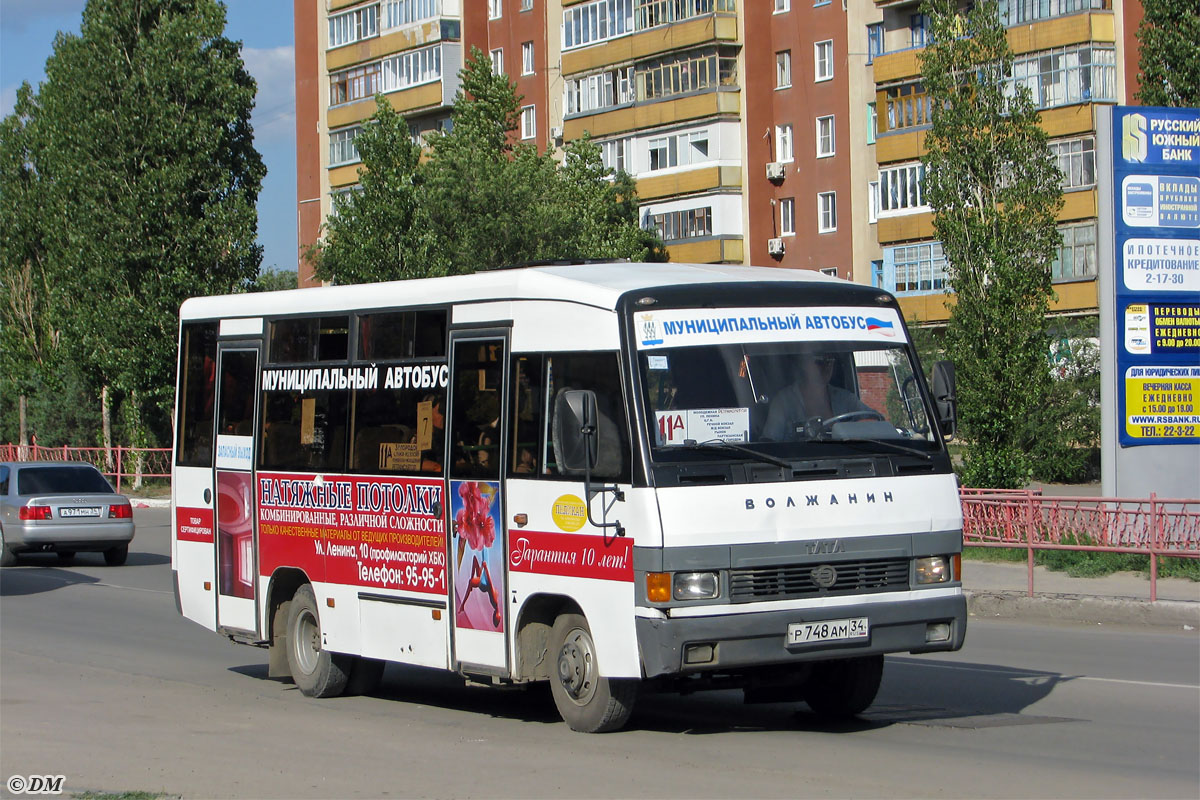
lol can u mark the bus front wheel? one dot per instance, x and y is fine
(316, 671)
(587, 701)
(844, 688)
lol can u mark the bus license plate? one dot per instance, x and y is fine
(829, 630)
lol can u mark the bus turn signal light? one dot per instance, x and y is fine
(658, 587)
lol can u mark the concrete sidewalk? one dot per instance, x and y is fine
(1000, 590)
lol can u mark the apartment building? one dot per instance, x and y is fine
(1074, 56)
(772, 132)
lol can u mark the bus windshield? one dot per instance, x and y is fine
(786, 399)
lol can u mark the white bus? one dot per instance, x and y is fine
(611, 477)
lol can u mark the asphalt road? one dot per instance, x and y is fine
(101, 681)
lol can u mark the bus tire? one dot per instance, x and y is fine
(587, 701)
(316, 671)
(842, 689)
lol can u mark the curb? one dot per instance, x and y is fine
(150, 502)
(1088, 609)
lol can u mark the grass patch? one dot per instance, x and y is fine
(1086, 564)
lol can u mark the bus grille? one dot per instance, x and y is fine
(799, 580)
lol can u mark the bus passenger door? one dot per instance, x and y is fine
(237, 385)
(475, 504)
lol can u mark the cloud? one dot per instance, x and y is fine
(20, 13)
(275, 107)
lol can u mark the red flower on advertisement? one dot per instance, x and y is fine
(474, 520)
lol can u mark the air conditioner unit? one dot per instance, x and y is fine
(775, 171)
(556, 133)
(775, 247)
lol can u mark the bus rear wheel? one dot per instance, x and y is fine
(316, 671)
(842, 689)
(587, 701)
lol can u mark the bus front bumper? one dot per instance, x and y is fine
(731, 642)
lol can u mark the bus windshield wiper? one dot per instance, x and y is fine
(719, 445)
(886, 443)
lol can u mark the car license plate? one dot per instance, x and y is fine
(79, 511)
(828, 630)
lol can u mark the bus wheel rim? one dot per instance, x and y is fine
(577, 666)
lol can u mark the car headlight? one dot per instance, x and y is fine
(695, 585)
(933, 569)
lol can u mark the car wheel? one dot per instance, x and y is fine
(316, 671)
(587, 701)
(7, 557)
(115, 556)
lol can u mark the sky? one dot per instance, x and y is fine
(264, 27)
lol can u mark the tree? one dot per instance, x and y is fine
(274, 280)
(1169, 55)
(995, 192)
(142, 153)
(480, 199)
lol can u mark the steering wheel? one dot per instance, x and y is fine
(816, 425)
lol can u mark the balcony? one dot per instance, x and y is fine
(709, 29)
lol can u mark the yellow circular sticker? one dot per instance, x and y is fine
(569, 513)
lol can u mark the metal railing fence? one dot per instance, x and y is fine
(121, 464)
(1028, 520)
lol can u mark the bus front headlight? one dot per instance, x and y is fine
(695, 585)
(933, 569)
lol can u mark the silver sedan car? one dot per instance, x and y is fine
(61, 507)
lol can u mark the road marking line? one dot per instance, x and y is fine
(1023, 675)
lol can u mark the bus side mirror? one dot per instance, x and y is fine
(576, 443)
(944, 398)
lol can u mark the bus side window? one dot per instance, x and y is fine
(527, 456)
(397, 431)
(304, 432)
(598, 372)
(197, 393)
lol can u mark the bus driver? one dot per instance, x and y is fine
(810, 395)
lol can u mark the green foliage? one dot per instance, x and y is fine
(139, 152)
(1169, 56)
(480, 199)
(1086, 564)
(994, 189)
(274, 280)
(1066, 436)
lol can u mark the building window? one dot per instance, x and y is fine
(498, 61)
(406, 12)
(900, 188)
(1077, 161)
(678, 150)
(919, 30)
(783, 143)
(1023, 12)
(685, 73)
(526, 5)
(354, 84)
(341, 146)
(412, 68)
(826, 212)
(877, 274)
(528, 122)
(872, 123)
(614, 154)
(830, 271)
(787, 216)
(596, 22)
(599, 91)
(920, 268)
(872, 202)
(361, 23)
(1076, 257)
(783, 69)
(527, 58)
(823, 54)
(686, 224)
(906, 106)
(495, 9)
(782, 6)
(874, 41)
(825, 140)
(1065, 75)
